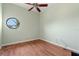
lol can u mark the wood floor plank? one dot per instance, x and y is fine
(34, 48)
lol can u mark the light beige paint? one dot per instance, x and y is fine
(59, 23)
(0, 23)
(29, 24)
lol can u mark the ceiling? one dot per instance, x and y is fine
(26, 6)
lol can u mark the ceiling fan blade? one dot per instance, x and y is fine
(43, 5)
(38, 9)
(29, 3)
(30, 9)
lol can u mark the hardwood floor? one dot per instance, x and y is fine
(34, 48)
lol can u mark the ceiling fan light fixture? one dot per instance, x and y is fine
(36, 5)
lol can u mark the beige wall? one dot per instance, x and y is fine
(29, 24)
(0, 23)
(60, 24)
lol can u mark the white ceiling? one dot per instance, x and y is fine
(26, 6)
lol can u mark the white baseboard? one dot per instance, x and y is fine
(74, 50)
(19, 42)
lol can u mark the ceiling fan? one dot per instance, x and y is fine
(36, 5)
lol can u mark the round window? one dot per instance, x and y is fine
(12, 23)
